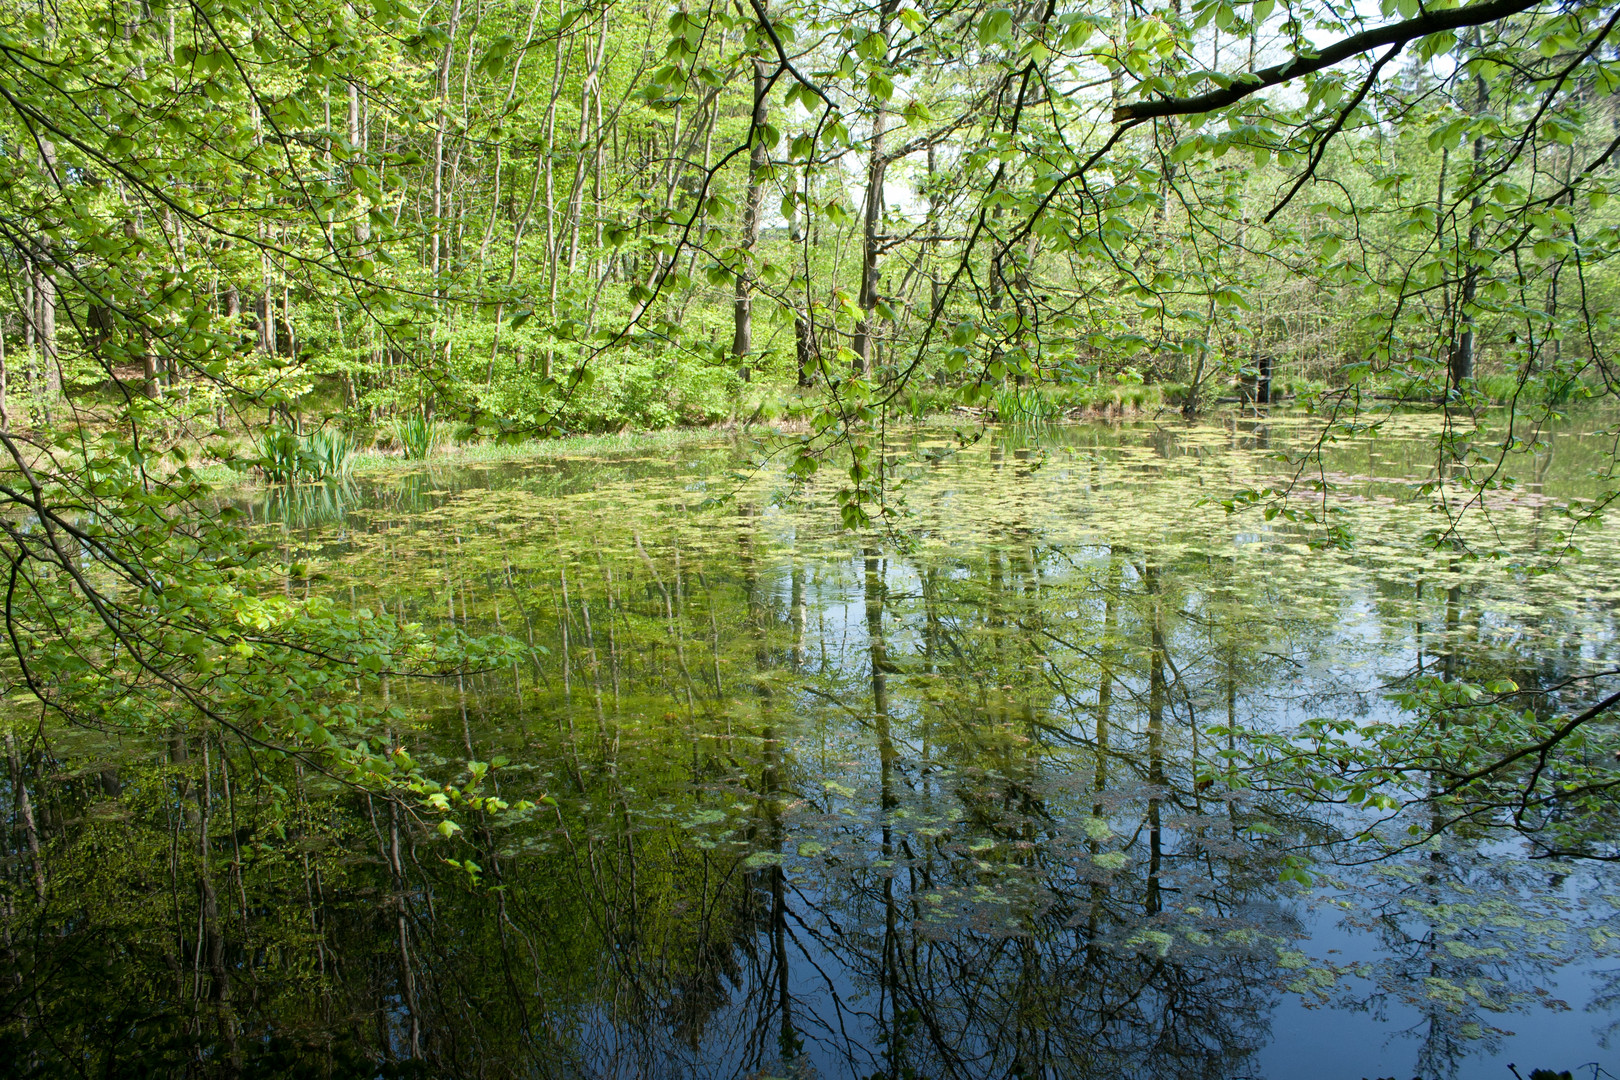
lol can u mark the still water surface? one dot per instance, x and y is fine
(952, 800)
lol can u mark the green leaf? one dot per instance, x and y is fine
(994, 26)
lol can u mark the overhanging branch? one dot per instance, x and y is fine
(1399, 33)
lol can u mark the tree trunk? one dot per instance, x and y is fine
(5, 420)
(1462, 356)
(876, 166)
(45, 330)
(547, 153)
(362, 221)
(576, 199)
(266, 310)
(804, 343)
(931, 245)
(753, 209)
(436, 227)
(45, 292)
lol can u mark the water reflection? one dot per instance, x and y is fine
(955, 803)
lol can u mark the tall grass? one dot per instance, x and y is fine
(330, 453)
(922, 401)
(418, 436)
(286, 457)
(278, 455)
(1105, 397)
(1026, 406)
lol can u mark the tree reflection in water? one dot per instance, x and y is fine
(962, 803)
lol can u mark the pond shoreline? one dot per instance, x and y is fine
(632, 441)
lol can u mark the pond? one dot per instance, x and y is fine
(962, 797)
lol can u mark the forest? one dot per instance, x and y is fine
(794, 538)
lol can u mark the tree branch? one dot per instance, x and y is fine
(1541, 748)
(1321, 143)
(1400, 33)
